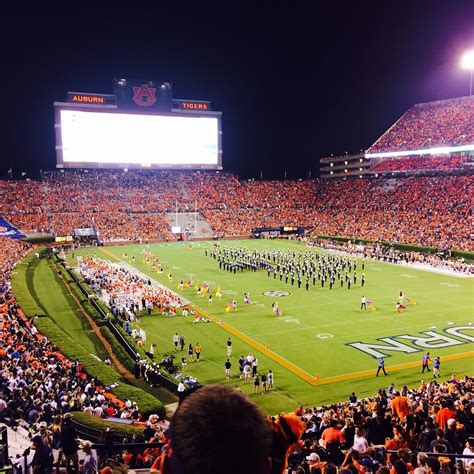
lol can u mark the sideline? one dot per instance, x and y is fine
(95, 328)
(410, 266)
(393, 368)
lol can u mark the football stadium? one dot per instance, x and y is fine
(158, 310)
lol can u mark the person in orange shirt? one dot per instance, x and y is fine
(445, 414)
(400, 406)
(332, 434)
(397, 442)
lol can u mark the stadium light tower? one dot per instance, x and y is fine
(467, 62)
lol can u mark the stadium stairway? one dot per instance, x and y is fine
(18, 441)
(186, 220)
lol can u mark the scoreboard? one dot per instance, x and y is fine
(144, 129)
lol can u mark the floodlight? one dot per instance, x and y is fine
(467, 61)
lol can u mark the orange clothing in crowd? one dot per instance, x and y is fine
(443, 416)
(401, 407)
(332, 435)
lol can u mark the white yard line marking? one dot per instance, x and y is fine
(345, 323)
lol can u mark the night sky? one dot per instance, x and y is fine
(294, 82)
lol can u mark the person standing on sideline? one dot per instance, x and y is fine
(191, 352)
(197, 350)
(363, 303)
(254, 367)
(182, 342)
(176, 341)
(426, 361)
(181, 389)
(256, 383)
(227, 365)
(381, 366)
(436, 365)
(229, 347)
(264, 379)
(270, 380)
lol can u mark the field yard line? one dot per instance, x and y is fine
(261, 348)
(407, 365)
(110, 254)
(276, 392)
(344, 323)
(351, 336)
(308, 327)
(349, 305)
(212, 362)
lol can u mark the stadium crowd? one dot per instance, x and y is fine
(433, 211)
(39, 388)
(124, 292)
(396, 431)
(442, 123)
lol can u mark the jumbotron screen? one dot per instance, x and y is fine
(114, 139)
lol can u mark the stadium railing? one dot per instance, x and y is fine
(4, 458)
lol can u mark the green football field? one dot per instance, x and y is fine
(323, 346)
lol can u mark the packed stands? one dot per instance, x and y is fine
(418, 163)
(37, 381)
(391, 429)
(428, 125)
(433, 211)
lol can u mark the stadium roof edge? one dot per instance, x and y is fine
(441, 150)
(442, 100)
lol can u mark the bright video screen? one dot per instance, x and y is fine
(141, 140)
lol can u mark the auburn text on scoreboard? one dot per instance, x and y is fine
(78, 98)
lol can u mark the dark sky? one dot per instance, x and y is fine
(294, 82)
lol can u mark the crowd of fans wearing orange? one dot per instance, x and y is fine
(435, 417)
(124, 291)
(419, 163)
(37, 383)
(39, 386)
(441, 123)
(433, 211)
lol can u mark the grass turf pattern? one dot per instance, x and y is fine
(316, 327)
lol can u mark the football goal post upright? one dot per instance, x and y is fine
(176, 212)
(195, 215)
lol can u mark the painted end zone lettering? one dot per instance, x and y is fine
(435, 340)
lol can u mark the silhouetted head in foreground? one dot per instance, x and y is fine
(219, 429)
